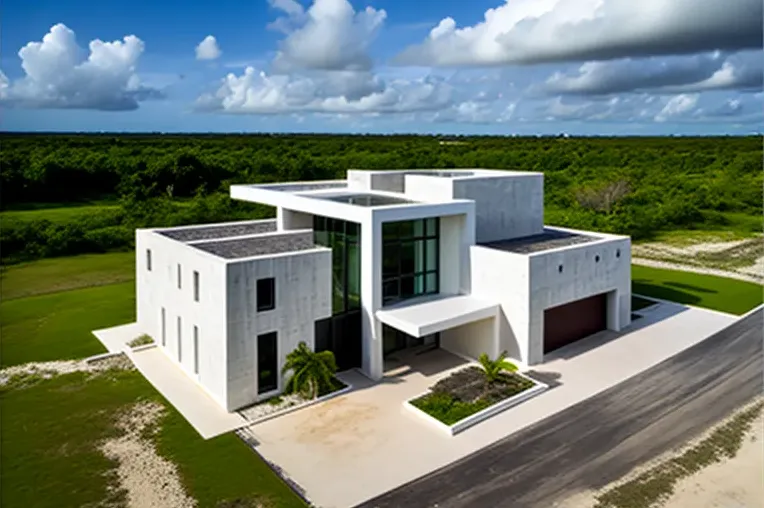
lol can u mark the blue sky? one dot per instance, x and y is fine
(593, 67)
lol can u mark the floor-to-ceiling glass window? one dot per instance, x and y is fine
(410, 259)
(342, 332)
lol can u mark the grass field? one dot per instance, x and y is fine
(717, 293)
(61, 274)
(51, 428)
(59, 214)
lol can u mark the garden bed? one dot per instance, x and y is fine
(465, 398)
(283, 404)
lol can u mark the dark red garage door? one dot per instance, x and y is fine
(574, 321)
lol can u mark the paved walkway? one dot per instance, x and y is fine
(362, 444)
(115, 339)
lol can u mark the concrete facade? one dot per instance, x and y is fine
(498, 271)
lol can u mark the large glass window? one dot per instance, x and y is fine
(410, 259)
(344, 239)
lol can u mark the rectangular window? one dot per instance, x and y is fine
(266, 294)
(148, 259)
(410, 259)
(179, 285)
(196, 286)
(180, 341)
(164, 328)
(196, 349)
(267, 362)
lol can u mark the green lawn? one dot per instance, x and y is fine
(717, 293)
(49, 455)
(61, 274)
(62, 214)
(58, 326)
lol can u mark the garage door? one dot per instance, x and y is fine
(574, 321)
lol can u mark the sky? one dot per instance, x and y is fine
(513, 67)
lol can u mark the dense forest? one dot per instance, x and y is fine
(636, 186)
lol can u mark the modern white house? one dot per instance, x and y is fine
(371, 265)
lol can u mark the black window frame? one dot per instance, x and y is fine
(344, 238)
(266, 286)
(272, 368)
(401, 284)
(148, 260)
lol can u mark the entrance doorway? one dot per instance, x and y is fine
(395, 340)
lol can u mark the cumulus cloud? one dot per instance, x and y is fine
(703, 72)
(58, 76)
(346, 92)
(533, 31)
(330, 35)
(208, 49)
(677, 106)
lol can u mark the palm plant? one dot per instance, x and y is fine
(310, 370)
(493, 368)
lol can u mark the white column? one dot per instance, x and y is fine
(371, 297)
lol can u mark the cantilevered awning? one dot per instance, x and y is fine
(423, 316)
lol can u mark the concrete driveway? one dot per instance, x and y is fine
(362, 444)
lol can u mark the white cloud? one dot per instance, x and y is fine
(709, 71)
(532, 31)
(208, 49)
(345, 92)
(58, 76)
(330, 35)
(677, 106)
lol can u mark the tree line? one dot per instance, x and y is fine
(635, 186)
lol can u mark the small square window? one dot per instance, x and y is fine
(148, 259)
(618, 253)
(266, 294)
(596, 259)
(196, 286)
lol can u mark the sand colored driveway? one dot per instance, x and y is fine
(362, 444)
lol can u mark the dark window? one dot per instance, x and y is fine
(164, 327)
(343, 238)
(179, 276)
(559, 268)
(148, 259)
(267, 362)
(196, 349)
(410, 259)
(180, 341)
(618, 253)
(596, 259)
(196, 286)
(266, 294)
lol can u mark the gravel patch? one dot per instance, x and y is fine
(47, 370)
(149, 480)
(263, 409)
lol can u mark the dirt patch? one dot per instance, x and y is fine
(47, 370)
(337, 422)
(741, 259)
(149, 480)
(720, 469)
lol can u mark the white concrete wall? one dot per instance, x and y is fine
(504, 277)
(387, 181)
(157, 289)
(429, 188)
(287, 220)
(505, 207)
(472, 339)
(581, 277)
(303, 295)
(371, 298)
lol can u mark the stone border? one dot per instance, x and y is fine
(291, 409)
(481, 415)
(142, 347)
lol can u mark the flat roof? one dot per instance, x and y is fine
(431, 314)
(211, 232)
(366, 199)
(258, 245)
(549, 239)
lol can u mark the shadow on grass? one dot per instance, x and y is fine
(648, 288)
(690, 287)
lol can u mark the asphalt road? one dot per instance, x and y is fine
(599, 440)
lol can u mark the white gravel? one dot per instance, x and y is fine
(265, 408)
(48, 370)
(150, 480)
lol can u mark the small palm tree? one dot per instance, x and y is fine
(493, 368)
(310, 370)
